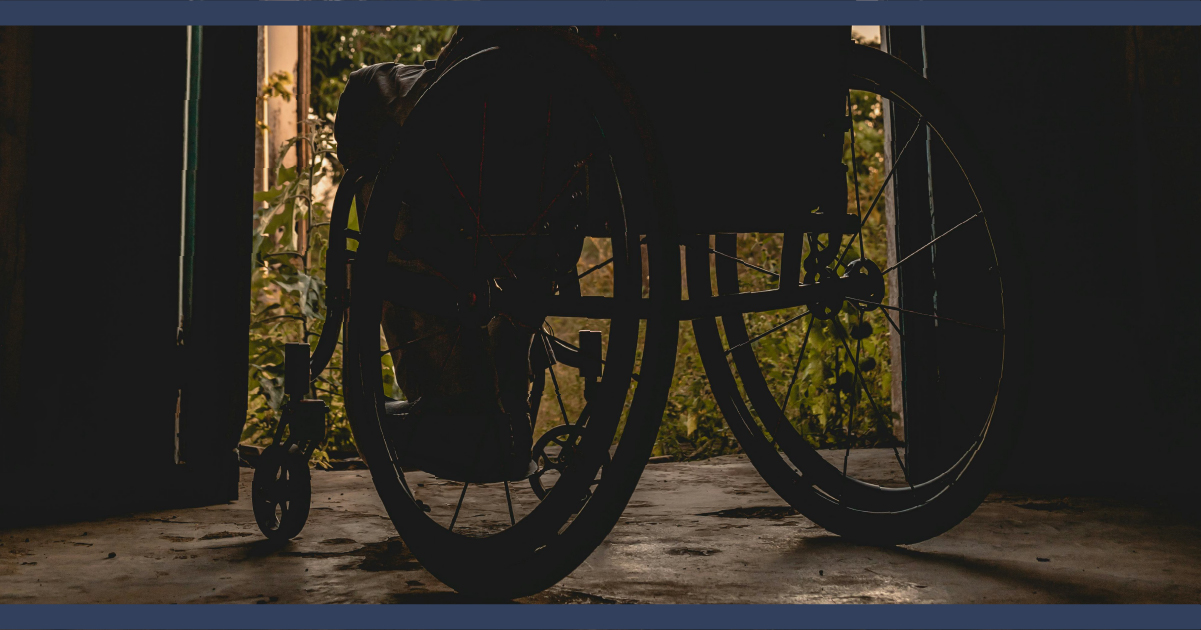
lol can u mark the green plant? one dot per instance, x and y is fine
(287, 298)
(276, 85)
(287, 292)
(288, 284)
(824, 403)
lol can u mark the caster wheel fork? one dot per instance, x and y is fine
(282, 489)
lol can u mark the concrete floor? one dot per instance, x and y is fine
(701, 532)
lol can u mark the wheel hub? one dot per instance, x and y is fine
(864, 282)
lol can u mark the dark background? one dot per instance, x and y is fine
(1095, 135)
(91, 178)
(1094, 132)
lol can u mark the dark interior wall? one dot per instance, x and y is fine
(99, 208)
(1095, 135)
(91, 157)
(16, 52)
(214, 354)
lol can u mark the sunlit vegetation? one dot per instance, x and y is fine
(287, 297)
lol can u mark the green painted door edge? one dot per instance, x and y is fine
(191, 151)
(187, 227)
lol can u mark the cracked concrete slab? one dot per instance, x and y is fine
(697, 532)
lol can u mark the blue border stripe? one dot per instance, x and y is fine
(614, 12)
(87, 617)
(684, 12)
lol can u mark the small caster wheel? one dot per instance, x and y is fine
(281, 493)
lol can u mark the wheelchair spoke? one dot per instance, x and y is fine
(796, 370)
(855, 175)
(883, 187)
(606, 262)
(860, 310)
(744, 263)
(927, 245)
(892, 323)
(872, 400)
(762, 335)
(509, 500)
(937, 317)
(566, 343)
(598, 266)
(458, 507)
(558, 395)
(851, 416)
(384, 353)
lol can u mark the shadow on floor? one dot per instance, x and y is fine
(1102, 588)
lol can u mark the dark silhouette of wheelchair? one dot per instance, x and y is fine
(864, 346)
